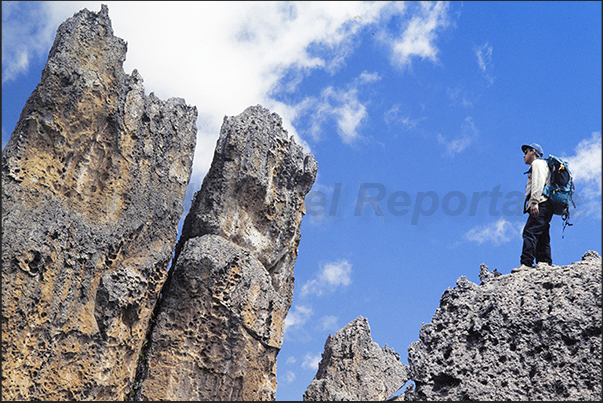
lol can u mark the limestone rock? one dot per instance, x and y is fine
(94, 178)
(220, 323)
(253, 193)
(354, 367)
(531, 335)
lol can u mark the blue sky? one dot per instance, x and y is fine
(415, 112)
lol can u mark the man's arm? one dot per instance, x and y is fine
(540, 172)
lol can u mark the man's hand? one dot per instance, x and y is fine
(534, 210)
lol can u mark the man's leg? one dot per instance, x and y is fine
(543, 245)
(530, 239)
(532, 232)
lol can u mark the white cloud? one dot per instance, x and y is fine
(329, 322)
(395, 117)
(349, 113)
(311, 361)
(497, 233)
(223, 56)
(340, 105)
(337, 273)
(585, 166)
(468, 134)
(230, 57)
(419, 35)
(298, 315)
(26, 34)
(484, 61)
(289, 377)
(330, 277)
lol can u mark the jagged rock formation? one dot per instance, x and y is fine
(530, 335)
(93, 182)
(354, 367)
(220, 324)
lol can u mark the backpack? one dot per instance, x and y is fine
(561, 188)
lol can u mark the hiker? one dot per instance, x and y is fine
(536, 237)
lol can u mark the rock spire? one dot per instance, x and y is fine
(355, 368)
(220, 324)
(93, 181)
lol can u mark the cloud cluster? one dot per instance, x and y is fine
(497, 233)
(340, 105)
(331, 276)
(468, 134)
(418, 37)
(223, 57)
(585, 166)
(23, 37)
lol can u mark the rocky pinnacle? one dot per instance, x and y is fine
(531, 335)
(220, 323)
(93, 181)
(355, 368)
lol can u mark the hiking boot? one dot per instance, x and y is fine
(543, 265)
(521, 267)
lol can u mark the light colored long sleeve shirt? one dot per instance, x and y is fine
(538, 176)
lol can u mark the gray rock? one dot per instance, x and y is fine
(485, 274)
(94, 177)
(221, 321)
(354, 367)
(254, 192)
(531, 335)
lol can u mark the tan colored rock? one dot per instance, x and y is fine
(93, 182)
(254, 192)
(220, 327)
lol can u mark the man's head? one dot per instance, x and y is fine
(531, 152)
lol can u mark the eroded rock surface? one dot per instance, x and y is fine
(531, 335)
(220, 324)
(94, 178)
(354, 367)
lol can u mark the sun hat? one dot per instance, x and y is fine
(535, 147)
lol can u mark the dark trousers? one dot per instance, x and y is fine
(536, 236)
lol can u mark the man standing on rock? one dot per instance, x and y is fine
(536, 237)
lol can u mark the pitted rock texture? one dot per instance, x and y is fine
(220, 323)
(94, 178)
(220, 327)
(254, 192)
(530, 335)
(355, 368)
